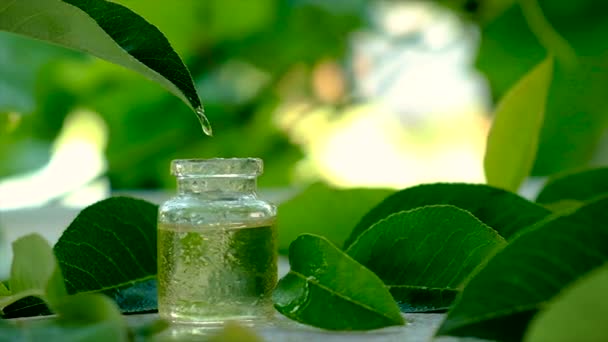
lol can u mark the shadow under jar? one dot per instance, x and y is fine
(217, 256)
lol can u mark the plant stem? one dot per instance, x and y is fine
(549, 38)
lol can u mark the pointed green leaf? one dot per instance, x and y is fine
(87, 308)
(513, 139)
(109, 245)
(336, 212)
(579, 186)
(578, 313)
(498, 302)
(3, 290)
(326, 288)
(41, 278)
(81, 318)
(25, 274)
(504, 211)
(107, 30)
(576, 117)
(426, 254)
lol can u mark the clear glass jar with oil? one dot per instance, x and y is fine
(217, 255)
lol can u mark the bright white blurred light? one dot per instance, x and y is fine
(366, 146)
(420, 116)
(422, 69)
(77, 159)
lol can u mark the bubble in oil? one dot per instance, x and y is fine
(216, 274)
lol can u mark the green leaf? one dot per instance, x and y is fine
(499, 301)
(544, 32)
(423, 299)
(52, 331)
(27, 306)
(326, 288)
(504, 211)
(25, 275)
(580, 186)
(3, 290)
(513, 139)
(81, 317)
(107, 30)
(86, 308)
(110, 245)
(139, 298)
(424, 255)
(490, 9)
(576, 118)
(324, 211)
(578, 313)
(41, 278)
(564, 206)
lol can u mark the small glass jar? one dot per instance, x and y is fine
(217, 253)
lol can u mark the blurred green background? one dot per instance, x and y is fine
(411, 82)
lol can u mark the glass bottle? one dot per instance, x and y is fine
(217, 256)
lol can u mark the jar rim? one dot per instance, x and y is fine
(217, 167)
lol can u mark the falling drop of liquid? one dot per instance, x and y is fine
(205, 124)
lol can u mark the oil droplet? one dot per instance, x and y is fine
(205, 124)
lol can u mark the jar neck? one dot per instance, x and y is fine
(220, 186)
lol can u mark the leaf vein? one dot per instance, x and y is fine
(112, 261)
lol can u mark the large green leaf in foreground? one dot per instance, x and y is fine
(424, 255)
(577, 115)
(81, 318)
(513, 139)
(504, 211)
(34, 272)
(325, 211)
(499, 301)
(107, 30)
(578, 313)
(109, 245)
(328, 289)
(580, 186)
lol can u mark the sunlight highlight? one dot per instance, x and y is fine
(77, 159)
(366, 146)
